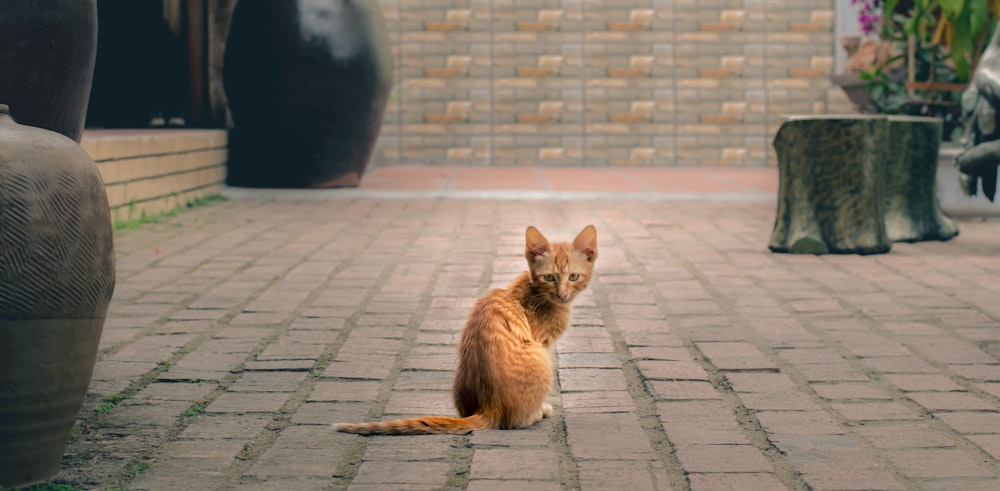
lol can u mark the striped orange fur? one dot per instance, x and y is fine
(504, 371)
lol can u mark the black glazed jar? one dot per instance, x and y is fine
(307, 84)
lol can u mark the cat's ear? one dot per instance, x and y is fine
(586, 243)
(535, 244)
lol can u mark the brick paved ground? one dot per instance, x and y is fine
(697, 360)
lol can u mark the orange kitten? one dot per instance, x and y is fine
(504, 372)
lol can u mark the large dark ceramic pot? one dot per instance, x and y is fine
(307, 83)
(47, 50)
(56, 279)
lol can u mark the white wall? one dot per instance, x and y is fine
(846, 23)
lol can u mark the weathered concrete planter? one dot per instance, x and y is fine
(855, 184)
(912, 210)
(831, 181)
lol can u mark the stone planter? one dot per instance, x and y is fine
(307, 84)
(855, 184)
(831, 181)
(912, 210)
(56, 279)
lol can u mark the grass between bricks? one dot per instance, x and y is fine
(49, 486)
(156, 218)
(136, 467)
(193, 411)
(111, 401)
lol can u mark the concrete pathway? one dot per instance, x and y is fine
(697, 360)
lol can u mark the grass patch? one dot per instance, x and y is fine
(116, 398)
(143, 219)
(49, 486)
(110, 402)
(105, 407)
(193, 411)
(318, 369)
(135, 468)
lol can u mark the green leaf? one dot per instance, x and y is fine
(922, 19)
(887, 13)
(952, 8)
(962, 41)
(979, 16)
(890, 6)
(911, 24)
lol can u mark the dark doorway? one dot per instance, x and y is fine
(150, 69)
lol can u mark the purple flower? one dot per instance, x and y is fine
(869, 22)
(869, 14)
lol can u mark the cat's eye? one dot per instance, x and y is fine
(550, 278)
(574, 276)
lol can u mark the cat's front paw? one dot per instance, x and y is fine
(546, 410)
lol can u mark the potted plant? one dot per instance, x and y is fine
(936, 47)
(863, 53)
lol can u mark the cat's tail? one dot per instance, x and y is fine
(426, 425)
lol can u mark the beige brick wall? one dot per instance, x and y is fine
(601, 82)
(147, 172)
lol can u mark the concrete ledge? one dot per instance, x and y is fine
(953, 200)
(151, 171)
